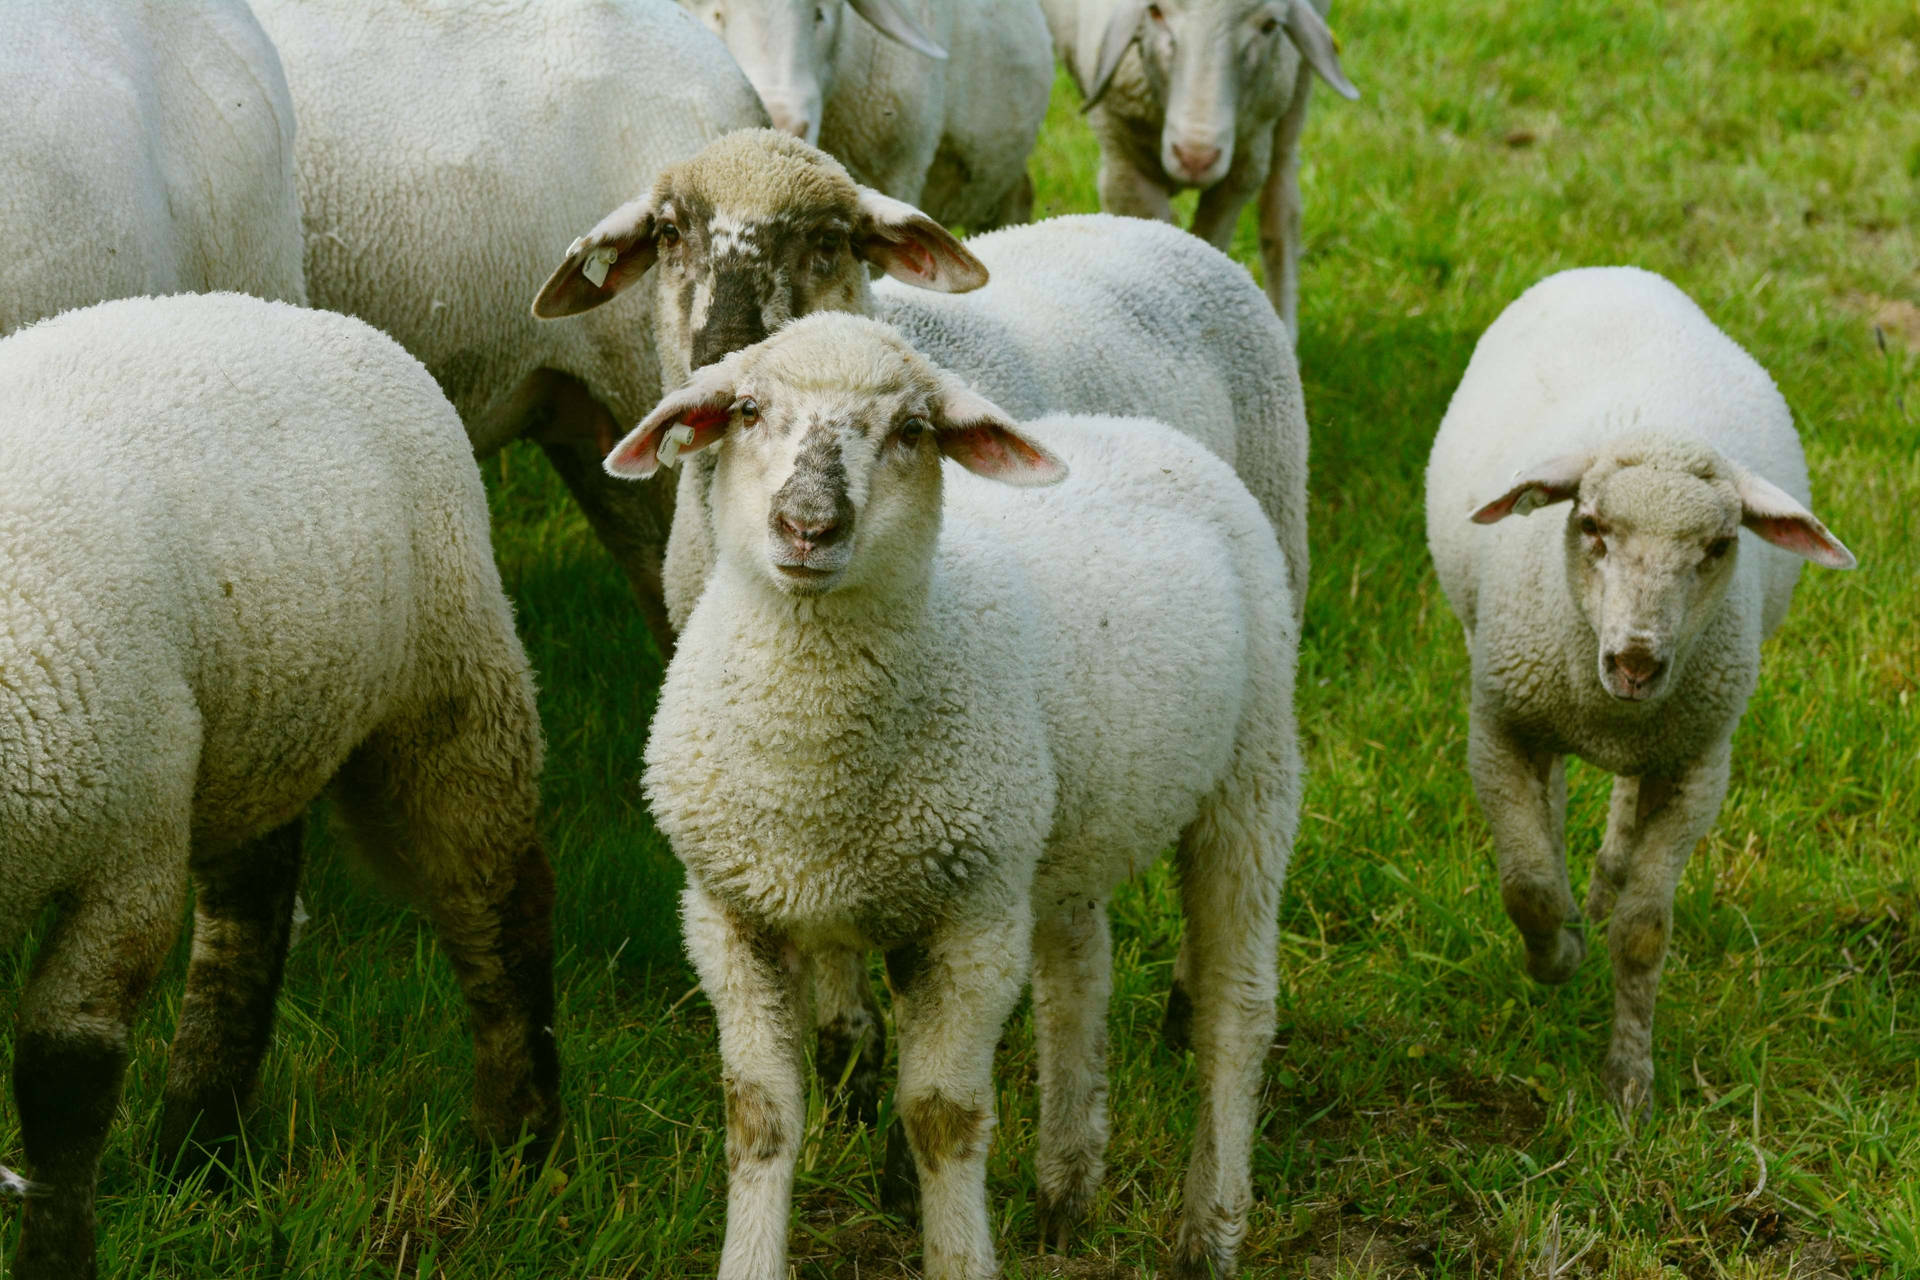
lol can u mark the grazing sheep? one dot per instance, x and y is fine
(1629, 632)
(949, 732)
(145, 148)
(1215, 98)
(1088, 314)
(446, 150)
(243, 554)
(935, 102)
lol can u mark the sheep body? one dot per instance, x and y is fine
(146, 149)
(1628, 633)
(951, 134)
(445, 153)
(243, 554)
(958, 758)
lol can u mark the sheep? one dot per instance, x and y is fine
(446, 150)
(947, 729)
(148, 149)
(1095, 314)
(1628, 633)
(1214, 98)
(937, 103)
(243, 556)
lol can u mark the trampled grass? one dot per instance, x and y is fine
(1429, 1111)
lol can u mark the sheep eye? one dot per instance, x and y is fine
(1719, 547)
(913, 430)
(1270, 26)
(747, 407)
(669, 234)
(820, 13)
(1590, 526)
(1154, 12)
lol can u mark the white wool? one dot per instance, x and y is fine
(143, 149)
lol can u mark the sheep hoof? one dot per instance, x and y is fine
(1193, 1259)
(1176, 1028)
(1630, 1084)
(1055, 1217)
(852, 1056)
(899, 1178)
(1558, 962)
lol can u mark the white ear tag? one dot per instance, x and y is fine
(598, 263)
(672, 443)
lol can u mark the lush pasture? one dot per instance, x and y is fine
(1428, 1110)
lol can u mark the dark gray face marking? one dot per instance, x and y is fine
(813, 502)
(735, 318)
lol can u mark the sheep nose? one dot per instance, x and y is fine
(808, 534)
(1637, 665)
(1195, 160)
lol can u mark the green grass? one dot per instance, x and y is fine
(1428, 1110)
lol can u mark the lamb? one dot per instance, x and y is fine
(1095, 314)
(147, 149)
(1628, 633)
(937, 103)
(446, 150)
(243, 555)
(947, 730)
(1214, 99)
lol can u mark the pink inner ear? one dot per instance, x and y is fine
(641, 450)
(917, 259)
(1803, 538)
(997, 454)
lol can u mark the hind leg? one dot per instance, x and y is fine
(1072, 989)
(242, 916)
(1232, 862)
(444, 805)
(850, 1039)
(94, 968)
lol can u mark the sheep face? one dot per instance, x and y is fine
(1202, 58)
(755, 230)
(786, 47)
(830, 435)
(1651, 544)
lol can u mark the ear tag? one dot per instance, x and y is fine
(671, 444)
(598, 263)
(15, 1187)
(1527, 503)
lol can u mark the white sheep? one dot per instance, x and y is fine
(1084, 314)
(447, 150)
(935, 102)
(1213, 95)
(144, 149)
(1627, 633)
(948, 731)
(243, 555)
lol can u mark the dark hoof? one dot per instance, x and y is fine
(853, 1057)
(1630, 1085)
(1176, 1028)
(1560, 960)
(1055, 1221)
(184, 1157)
(899, 1178)
(1191, 1261)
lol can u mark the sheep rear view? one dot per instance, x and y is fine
(947, 730)
(243, 555)
(1629, 632)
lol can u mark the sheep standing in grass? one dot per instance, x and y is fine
(243, 555)
(1629, 632)
(1215, 97)
(949, 732)
(935, 102)
(446, 150)
(1086, 314)
(143, 149)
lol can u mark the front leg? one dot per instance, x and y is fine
(850, 1037)
(1126, 188)
(1668, 820)
(1217, 216)
(753, 982)
(952, 995)
(1280, 210)
(1523, 792)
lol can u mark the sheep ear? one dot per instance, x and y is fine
(1319, 46)
(1554, 480)
(895, 23)
(913, 248)
(1771, 512)
(693, 417)
(601, 263)
(978, 434)
(1122, 26)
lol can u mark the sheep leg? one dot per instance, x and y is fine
(850, 1039)
(1670, 818)
(243, 913)
(1610, 867)
(1176, 1025)
(1280, 210)
(444, 805)
(1232, 862)
(94, 968)
(754, 984)
(1217, 215)
(1524, 795)
(1072, 988)
(1125, 189)
(952, 995)
(630, 519)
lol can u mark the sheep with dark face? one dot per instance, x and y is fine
(1627, 633)
(944, 718)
